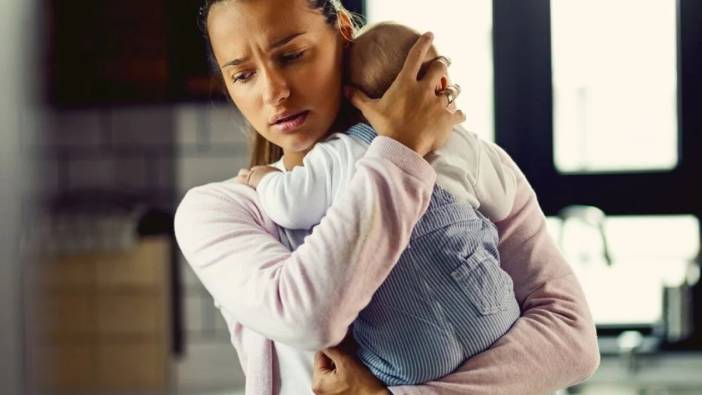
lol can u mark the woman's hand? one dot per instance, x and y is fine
(410, 111)
(336, 371)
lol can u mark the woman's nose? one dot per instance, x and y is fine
(276, 87)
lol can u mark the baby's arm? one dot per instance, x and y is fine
(300, 198)
(256, 174)
(471, 169)
(495, 182)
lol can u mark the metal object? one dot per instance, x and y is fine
(678, 316)
(629, 344)
(451, 92)
(589, 215)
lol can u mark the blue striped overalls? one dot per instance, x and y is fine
(446, 300)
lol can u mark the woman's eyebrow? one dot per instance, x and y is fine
(273, 45)
(284, 40)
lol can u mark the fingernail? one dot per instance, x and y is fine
(429, 35)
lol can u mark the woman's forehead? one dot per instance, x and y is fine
(261, 19)
(235, 26)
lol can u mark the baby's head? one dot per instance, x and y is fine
(377, 55)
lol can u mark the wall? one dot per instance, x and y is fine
(127, 152)
(16, 52)
(153, 155)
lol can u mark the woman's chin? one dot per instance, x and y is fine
(300, 142)
(298, 148)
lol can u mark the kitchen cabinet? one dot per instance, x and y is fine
(100, 321)
(125, 52)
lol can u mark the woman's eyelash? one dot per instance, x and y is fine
(288, 57)
(242, 77)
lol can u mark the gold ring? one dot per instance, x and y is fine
(443, 59)
(451, 92)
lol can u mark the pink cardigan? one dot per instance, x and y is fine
(308, 298)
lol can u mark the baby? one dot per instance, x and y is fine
(447, 298)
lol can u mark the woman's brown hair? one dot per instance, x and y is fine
(262, 151)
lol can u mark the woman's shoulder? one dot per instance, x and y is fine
(221, 199)
(228, 189)
(212, 217)
(217, 210)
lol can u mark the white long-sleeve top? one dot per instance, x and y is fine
(467, 167)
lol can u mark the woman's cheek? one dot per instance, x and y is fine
(243, 95)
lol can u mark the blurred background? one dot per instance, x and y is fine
(109, 114)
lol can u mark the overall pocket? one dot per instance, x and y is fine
(488, 287)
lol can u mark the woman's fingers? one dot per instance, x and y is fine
(411, 111)
(452, 107)
(436, 74)
(359, 100)
(459, 117)
(416, 56)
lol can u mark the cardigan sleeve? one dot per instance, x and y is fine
(553, 344)
(309, 297)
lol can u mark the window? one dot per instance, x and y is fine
(614, 85)
(646, 252)
(463, 32)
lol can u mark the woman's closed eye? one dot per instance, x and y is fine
(284, 59)
(242, 77)
(291, 56)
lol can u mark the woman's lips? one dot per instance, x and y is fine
(291, 124)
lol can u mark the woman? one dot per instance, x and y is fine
(281, 61)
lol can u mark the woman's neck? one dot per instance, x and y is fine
(344, 121)
(292, 159)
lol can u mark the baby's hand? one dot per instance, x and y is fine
(256, 174)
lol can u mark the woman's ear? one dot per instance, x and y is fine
(343, 20)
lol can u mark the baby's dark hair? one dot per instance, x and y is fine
(377, 55)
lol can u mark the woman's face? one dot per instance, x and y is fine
(281, 63)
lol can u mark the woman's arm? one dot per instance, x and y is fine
(309, 297)
(553, 345)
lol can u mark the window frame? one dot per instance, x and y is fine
(524, 127)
